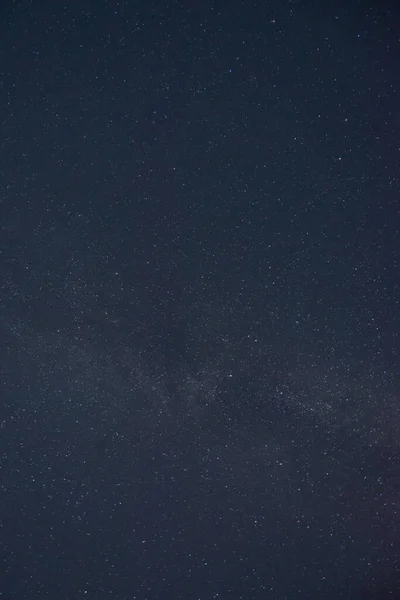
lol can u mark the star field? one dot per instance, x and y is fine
(199, 301)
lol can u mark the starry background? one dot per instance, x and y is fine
(199, 308)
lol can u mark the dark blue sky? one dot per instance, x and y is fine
(199, 303)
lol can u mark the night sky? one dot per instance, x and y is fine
(200, 300)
